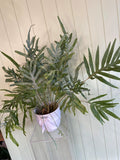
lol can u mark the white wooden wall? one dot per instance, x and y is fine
(94, 22)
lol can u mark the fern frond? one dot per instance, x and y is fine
(100, 108)
(110, 62)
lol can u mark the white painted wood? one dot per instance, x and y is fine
(94, 22)
(111, 32)
(22, 18)
(97, 37)
(50, 15)
(36, 15)
(65, 12)
(11, 27)
(83, 32)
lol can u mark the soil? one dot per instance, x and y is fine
(46, 109)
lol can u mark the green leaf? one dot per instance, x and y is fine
(6, 90)
(26, 48)
(37, 75)
(111, 114)
(26, 76)
(10, 95)
(105, 102)
(109, 75)
(32, 41)
(30, 114)
(13, 139)
(36, 44)
(116, 69)
(63, 103)
(112, 105)
(53, 48)
(103, 114)
(78, 104)
(21, 53)
(28, 37)
(116, 56)
(111, 52)
(50, 53)
(87, 66)
(24, 84)
(18, 127)
(62, 27)
(73, 45)
(77, 70)
(67, 106)
(96, 114)
(5, 111)
(73, 110)
(105, 81)
(24, 118)
(11, 59)
(81, 107)
(97, 59)
(15, 118)
(100, 96)
(91, 61)
(70, 38)
(105, 55)
(39, 52)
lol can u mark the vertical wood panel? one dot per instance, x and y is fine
(111, 32)
(22, 17)
(97, 37)
(116, 94)
(50, 15)
(66, 14)
(37, 17)
(11, 27)
(84, 37)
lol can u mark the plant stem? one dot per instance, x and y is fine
(36, 89)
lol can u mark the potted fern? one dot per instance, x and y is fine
(44, 83)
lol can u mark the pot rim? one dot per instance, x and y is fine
(58, 108)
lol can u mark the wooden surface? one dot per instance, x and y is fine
(94, 22)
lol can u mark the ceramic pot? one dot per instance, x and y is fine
(49, 122)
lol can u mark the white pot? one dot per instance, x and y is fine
(49, 122)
